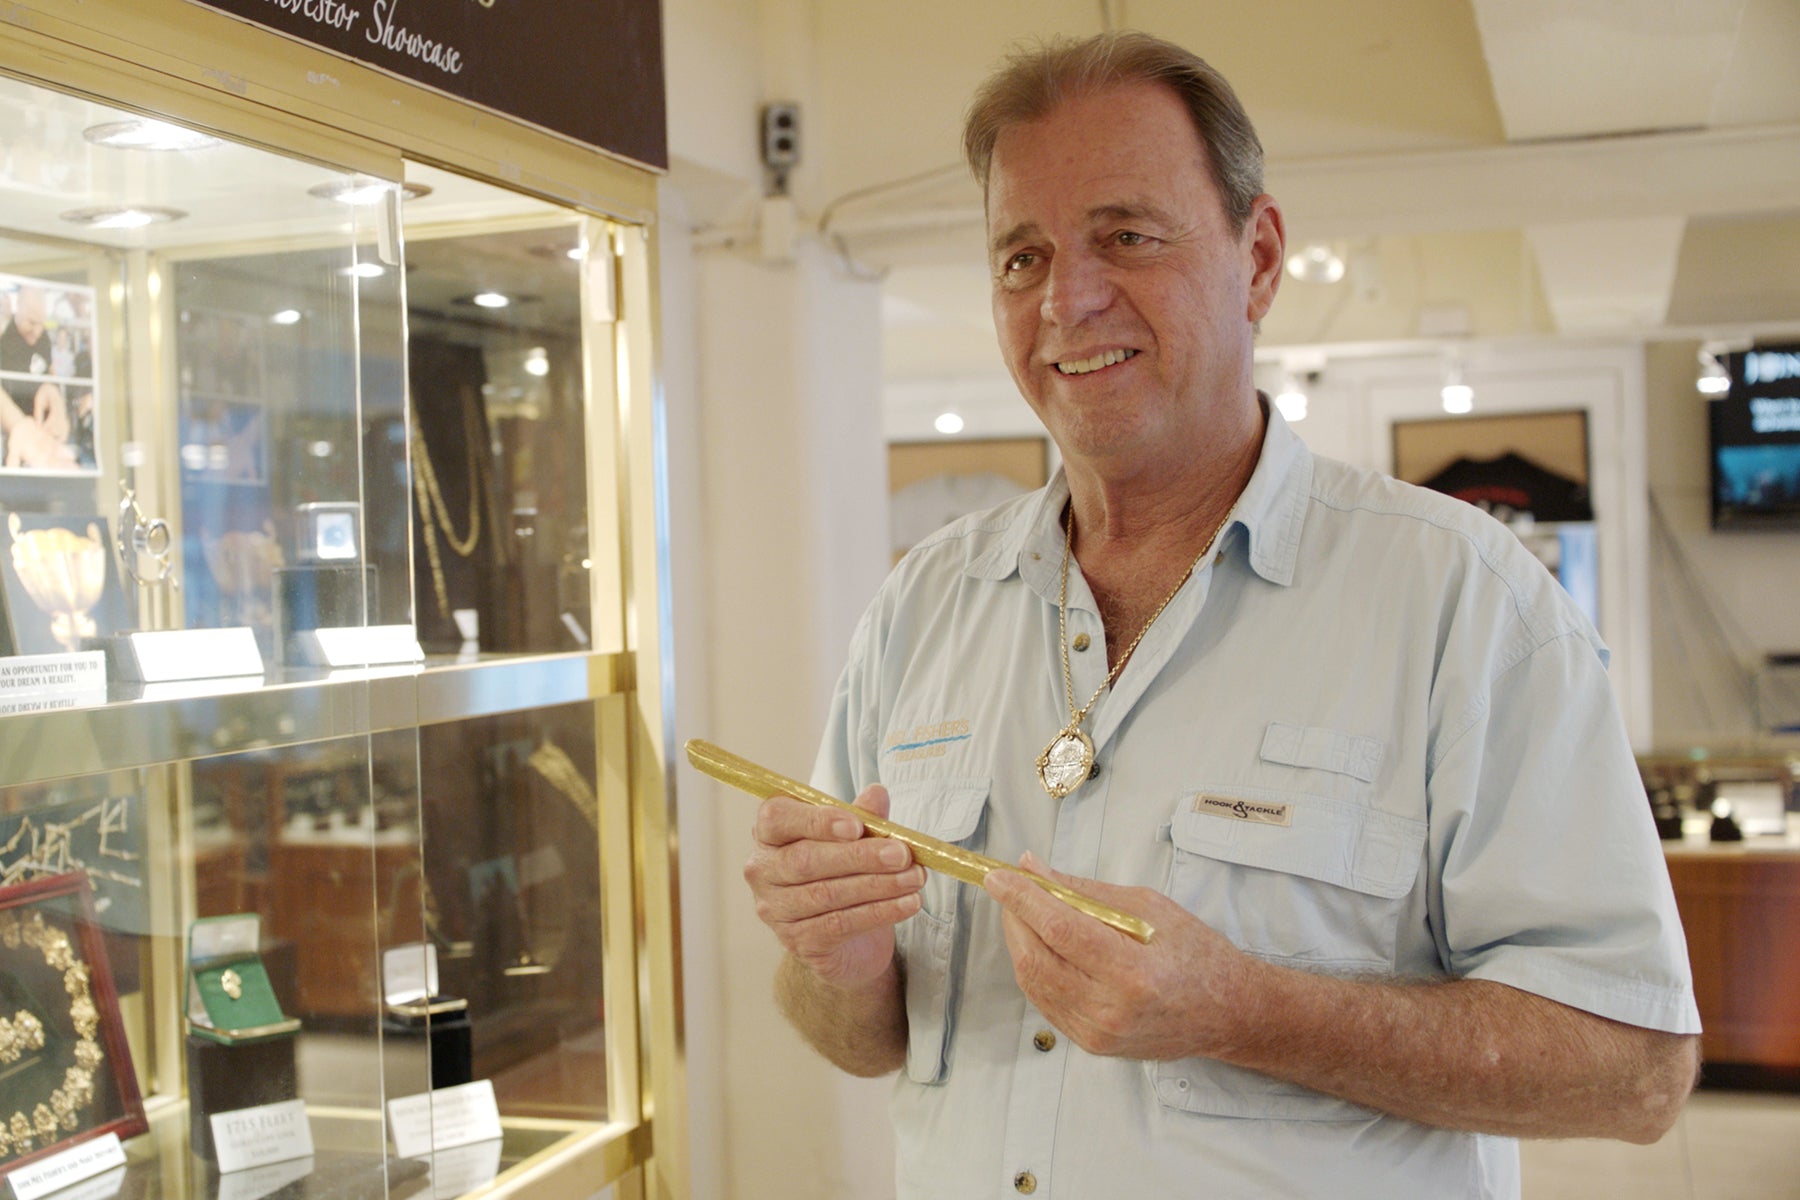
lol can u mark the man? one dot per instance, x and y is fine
(1353, 754)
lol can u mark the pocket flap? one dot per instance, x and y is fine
(1325, 749)
(947, 809)
(1347, 845)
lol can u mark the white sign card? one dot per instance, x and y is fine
(82, 673)
(256, 1137)
(410, 972)
(444, 1119)
(70, 1167)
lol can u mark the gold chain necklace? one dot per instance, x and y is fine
(1068, 761)
(435, 514)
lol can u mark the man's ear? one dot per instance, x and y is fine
(1265, 244)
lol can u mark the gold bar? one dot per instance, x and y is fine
(928, 851)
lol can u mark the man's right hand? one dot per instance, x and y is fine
(832, 895)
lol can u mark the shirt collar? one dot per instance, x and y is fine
(1271, 509)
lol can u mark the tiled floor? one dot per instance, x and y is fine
(1727, 1146)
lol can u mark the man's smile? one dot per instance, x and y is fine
(1084, 366)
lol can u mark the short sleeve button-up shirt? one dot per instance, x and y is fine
(1370, 735)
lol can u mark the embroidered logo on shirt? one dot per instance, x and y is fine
(1262, 812)
(925, 741)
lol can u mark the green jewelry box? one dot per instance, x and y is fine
(230, 999)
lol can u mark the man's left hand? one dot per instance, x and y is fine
(1176, 997)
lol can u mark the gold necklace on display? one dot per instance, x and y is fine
(63, 1107)
(435, 514)
(1069, 758)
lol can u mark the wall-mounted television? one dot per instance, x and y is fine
(1755, 441)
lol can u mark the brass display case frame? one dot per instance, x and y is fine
(173, 59)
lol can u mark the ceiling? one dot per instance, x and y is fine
(1489, 169)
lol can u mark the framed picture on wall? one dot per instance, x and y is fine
(49, 396)
(1532, 465)
(931, 484)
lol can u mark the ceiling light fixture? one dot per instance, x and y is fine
(948, 423)
(364, 270)
(1316, 263)
(147, 133)
(489, 300)
(122, 216)
(287, 316)
(360, 189)
(537, 362)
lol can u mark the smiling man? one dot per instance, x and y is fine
(1342, 742)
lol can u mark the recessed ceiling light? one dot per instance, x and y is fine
(948, 423)
(147, 133)
(364, 270)
(360, 189)
(1316, 264)
(537, 362)
(122, 216)
(1292, 403)
(489, 300)
(287, 316)
(1458, 398)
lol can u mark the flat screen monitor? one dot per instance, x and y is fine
(1755, 441)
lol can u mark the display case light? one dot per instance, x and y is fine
(360, 189)
(147, 133)
(287, 316)
(489, 300)
(364, 270)
(122, 216)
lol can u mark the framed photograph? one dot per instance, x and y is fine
(931, 484)
(59, 583)
(1531, 464)
(49, 396)
(65, 1071)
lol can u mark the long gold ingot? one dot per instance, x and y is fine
(928, 851)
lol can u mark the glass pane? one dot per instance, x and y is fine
(500, 482)
(513, 901)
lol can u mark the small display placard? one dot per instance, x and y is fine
(444, 1119)
(69, 1167)
(256, 1137)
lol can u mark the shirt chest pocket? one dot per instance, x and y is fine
(1324, 890)
(1322, 893)
(932, 942)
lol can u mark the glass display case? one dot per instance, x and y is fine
(333, 851)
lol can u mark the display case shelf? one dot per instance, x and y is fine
(139, 731)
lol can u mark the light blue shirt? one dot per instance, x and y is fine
(1382, 668)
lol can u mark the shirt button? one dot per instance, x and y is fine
(1025, 1182)
(1081, 641)
(1044, 1040)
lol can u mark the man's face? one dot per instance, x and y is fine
(28, 314)
(1123, 299)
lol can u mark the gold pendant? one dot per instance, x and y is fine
(232, 983)
(1066, 762)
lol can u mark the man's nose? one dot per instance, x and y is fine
(1077, 288)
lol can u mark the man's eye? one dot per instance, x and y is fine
(1126, 237)
(1020, 262)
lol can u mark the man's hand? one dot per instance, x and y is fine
(831, 895)
(1113, 996)
(51, 409)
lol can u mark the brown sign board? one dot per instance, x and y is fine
(591, 71)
